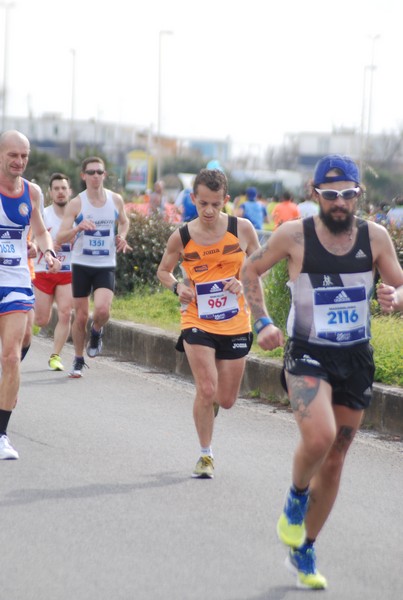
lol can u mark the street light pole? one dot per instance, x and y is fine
(160, 36)
(366, 110)
(72, 153)
(372, 68)
(6, 6)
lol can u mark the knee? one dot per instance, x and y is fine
(102, 313)
(80, 319)
(10, 360)
(64, 315)
(41, 320)
(206, 391)
(319, 443)
(226, 401)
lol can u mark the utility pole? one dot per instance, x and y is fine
(160, 36)
(6, 6)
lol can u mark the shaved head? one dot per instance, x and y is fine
(13, 137)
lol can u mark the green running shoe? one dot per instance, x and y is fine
(204, 468)
(55, 363)
(291, 526)
(302, 563)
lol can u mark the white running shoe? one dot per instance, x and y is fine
(94, 346)
(7, 452)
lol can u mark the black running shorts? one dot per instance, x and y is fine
(227, 347)
(87, 279)
(349, 371)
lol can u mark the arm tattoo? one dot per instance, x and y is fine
(302, 391)
(258, 254)
(254, 296)
(299, 238)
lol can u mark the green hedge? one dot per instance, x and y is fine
(148, 237)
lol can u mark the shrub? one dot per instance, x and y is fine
(387, 343)
(148, 237)
(277, 294)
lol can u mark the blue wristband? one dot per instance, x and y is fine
(262, 323)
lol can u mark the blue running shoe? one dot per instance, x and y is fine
(291, 526)
(302, 563)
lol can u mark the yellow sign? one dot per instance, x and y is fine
(139, 169)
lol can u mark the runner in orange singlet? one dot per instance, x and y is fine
(216, 332)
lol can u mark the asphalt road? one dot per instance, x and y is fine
(101, 505)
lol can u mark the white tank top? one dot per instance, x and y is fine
(96, 248)
(52, 223)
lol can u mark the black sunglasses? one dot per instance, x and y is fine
(93, 171)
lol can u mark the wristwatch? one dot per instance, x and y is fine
(51, 252)
(175, 288)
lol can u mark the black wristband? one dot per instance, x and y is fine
(175, 288)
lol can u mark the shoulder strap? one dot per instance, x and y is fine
(185, 236)
(232, 225)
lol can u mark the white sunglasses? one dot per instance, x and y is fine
(331, 195)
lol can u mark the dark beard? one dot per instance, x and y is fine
(61, 204)
(336, 227)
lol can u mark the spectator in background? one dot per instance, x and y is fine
(185, 205)
(253, 210)
(172, 213)
(308, 208)
(270, 207)
(379, 214)
(157, 199)
(286, 210)
(239, 200)
(394, 218)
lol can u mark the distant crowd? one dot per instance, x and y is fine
(264, 213)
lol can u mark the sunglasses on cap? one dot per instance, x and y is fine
(93, 171)
(348, 194)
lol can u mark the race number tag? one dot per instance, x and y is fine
(64, 256)
(341, 313)
(96, 242)
(215, 304)
(11, 247)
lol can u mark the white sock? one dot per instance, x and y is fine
(206, 451)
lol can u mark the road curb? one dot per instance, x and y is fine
(155, 348)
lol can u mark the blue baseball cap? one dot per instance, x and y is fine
(348, 168)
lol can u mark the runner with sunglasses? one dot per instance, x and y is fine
(328, 362)
(92, 217)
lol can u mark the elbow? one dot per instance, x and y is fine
(159, 275)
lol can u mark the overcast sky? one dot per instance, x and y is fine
(253, 72)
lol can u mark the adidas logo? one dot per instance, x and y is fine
(342, 297)
(6, 235)
(360, 254)
(215, 288)
(97, 234)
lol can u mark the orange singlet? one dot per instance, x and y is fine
(207, 268)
